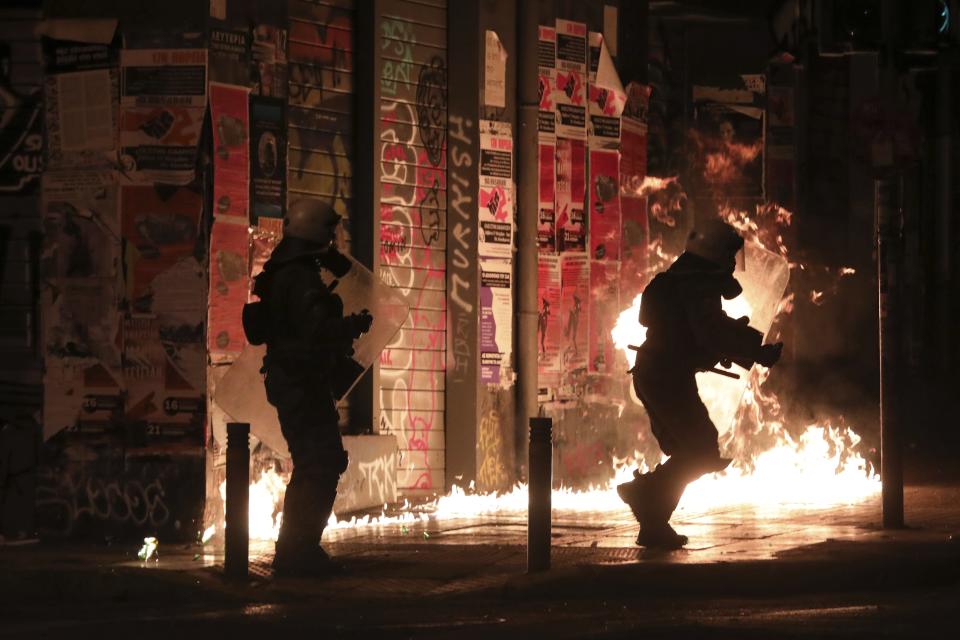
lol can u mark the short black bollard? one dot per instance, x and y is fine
(237, 509)
(539, 489)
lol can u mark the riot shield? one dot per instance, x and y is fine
(240, 393)
(764, 281)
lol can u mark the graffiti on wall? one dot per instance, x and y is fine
(413, 205)
(320, 91)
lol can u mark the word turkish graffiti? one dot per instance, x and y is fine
(462, 136)
(412, 252)
(65, 499)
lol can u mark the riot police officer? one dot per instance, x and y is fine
(302, 322)
(687, 332)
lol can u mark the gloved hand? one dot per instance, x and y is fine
(360, 323)
(770, 354)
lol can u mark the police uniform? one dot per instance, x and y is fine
(307, 339)
(687, 332)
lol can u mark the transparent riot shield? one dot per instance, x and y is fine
(764, 281)
(240, 393)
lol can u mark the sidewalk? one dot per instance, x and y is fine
(731, 552)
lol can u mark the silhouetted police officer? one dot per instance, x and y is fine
(687, 332)
(308, 342)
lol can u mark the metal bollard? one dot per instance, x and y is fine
(540, 485)
(237, 547)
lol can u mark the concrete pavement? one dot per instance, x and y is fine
(732, 551)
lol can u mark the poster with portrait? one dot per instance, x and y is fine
(549, 324)
(728, 143)
(604, 198)
(604, 309)
(268, 158)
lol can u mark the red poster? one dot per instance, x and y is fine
(604, 309)
(546, 194)
(571, 195)
(574, 314)
(549, 322)
(229, 287)
(604, 205)
(636, 241)
(230, 117)
(160, 229)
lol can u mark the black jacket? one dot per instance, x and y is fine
(687, 328)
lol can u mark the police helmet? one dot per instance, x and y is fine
(716, 241)
(311, 220)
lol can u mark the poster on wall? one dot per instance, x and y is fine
(494, 71)
(496, 190)
(549, 324)
(729, 149)
(575, 303)
(230, 120)
(571, 80)
(269, 53)
(546, 195)
(547, 80)
(160, 227)
(229, 288)
(158, 392)
(496, 319)
(606, 97)
(163, 96)
(571, 195)
(604, 204)
(604, 310)
(268, 158)
(229, 56)
(81, 86)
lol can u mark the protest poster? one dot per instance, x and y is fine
(606, 97)
(604, 195)
(549, 323)
(163, 96)
(496, 319)
(268, 158)
(575, 300)
(571, 80)
(571, 222)
(546, 195)
(230, 119)
(496, 202)
(604, 310)
(547, 80)
(229, 288)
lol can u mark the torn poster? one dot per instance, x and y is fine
(81, 320)
(574, 315)
(81, 86)
(547, 79)
(496, 190)
(81, 225)
(230, 119)
(606, 99)
(269, 52)
(571, 80)
(571, 194)
(549, 323)
(268, 158)
(546, 194)
(229, 288)
(494, 71)
(163, 96)
(604, 194)
(496, 319)
(157, 392)
(604, 309)
(79, 393)
(160, 227)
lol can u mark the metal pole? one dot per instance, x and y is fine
(237, 509)
(538, 492)
(528, 104)
(944, 225)
(887, 193)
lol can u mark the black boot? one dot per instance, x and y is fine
(635, 493)
(306, 508)
(660, 536)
